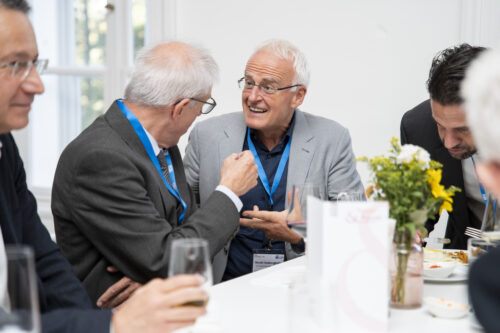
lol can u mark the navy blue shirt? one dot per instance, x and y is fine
(240, 258)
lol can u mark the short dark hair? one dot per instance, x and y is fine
(448, 71)
(20, 5)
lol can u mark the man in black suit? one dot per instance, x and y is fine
(439, 126)
(481, 93)
(64, 305)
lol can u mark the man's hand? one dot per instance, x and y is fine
(118, 292)
(272, 223)
(239, 173)
(156, 307)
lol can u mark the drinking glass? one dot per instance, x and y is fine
(349, 196)
(19, 309)
(190, 256)
(297, 205)
(476, 247)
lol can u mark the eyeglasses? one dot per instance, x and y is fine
(21, 69)
(208, 105)
(267, 89)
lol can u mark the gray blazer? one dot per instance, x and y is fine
(320, 153)
(111, 207)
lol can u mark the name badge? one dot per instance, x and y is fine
(263, 258)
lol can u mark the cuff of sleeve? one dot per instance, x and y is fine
(299, 247)
(234, 198)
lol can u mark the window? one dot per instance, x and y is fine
(90, 58)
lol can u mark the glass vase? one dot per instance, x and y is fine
(406, 268)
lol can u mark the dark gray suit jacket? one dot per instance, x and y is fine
(111, 207)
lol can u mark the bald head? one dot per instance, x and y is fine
(168, 72)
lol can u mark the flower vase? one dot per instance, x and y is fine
(406, 268)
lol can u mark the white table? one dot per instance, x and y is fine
(260, 302)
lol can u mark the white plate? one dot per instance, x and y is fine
(447, 250)
(452, 278)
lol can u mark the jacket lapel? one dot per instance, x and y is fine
(301, 151)
(118, 122)
(232, 140)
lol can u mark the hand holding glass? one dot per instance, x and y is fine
(190, 256)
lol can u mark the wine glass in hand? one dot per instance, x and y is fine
(190, 256)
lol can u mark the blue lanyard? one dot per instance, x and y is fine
(262, 172)
(139, 130)
(171, 173)
(483, 192)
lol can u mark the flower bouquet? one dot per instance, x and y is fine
(411, 182)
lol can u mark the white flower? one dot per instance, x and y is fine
(411, 152)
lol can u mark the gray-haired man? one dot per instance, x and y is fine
(293, 147)
(120, 195)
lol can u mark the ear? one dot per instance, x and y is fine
(299, 96)
(179, 107)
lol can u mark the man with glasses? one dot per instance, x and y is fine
(290, 147)
(120, 195)
(63, 302)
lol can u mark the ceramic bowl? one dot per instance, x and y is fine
(440, 270)
(443, 308)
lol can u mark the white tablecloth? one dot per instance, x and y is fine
(262, 302)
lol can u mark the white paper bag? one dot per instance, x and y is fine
(347, 254)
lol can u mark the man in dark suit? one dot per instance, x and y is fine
(64, 305)
(113, 202)
(481, 93)
(439, 126)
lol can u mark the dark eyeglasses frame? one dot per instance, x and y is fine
(210, 102)
(266, 89)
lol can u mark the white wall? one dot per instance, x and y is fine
(369, 58)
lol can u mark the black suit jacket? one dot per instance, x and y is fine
(484, 290)
(111, 207)
(419, 128)
(64, 305)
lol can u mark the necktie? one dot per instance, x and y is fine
(164, 166)
(166, 174)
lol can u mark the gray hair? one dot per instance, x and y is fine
(287, 51)
(481, 93)
(169, 72)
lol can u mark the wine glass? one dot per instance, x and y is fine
(190, 256)
(19, 309)
(297, 205)
(349, 196)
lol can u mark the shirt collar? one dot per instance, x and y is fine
(154, 144)
(286, 136)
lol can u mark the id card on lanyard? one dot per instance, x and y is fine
(263, 258)
(141, 133)
(267, 257)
